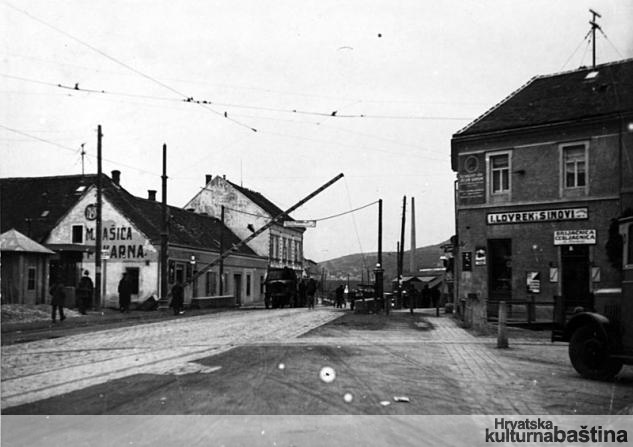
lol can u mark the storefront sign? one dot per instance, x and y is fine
(472, 180)
(537, 216)
(574, 237)
(533, 282)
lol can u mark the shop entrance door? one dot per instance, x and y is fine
(575, 276)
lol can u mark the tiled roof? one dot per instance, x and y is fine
(561, 97)
(261, 201)
(46, 199)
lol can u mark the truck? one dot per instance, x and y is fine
(601, 339)
(281, 287)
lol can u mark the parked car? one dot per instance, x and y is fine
(281, 287)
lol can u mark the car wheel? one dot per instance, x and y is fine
(589, 354)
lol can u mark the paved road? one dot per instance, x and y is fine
(42, 369)
(184, 367)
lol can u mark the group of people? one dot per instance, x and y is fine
(306, 293)
(84, 292)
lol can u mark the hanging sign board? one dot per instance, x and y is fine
(300, 223)
(480, 256)
(533, 282)
(574, 237)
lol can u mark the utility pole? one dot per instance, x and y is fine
(404, 217)
(164, 235)
(594, 26)
(222, 251)
(378, 273)
(83, 154)
(412, 268)
(98, 224)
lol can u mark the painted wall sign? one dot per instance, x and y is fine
(574, 237)
(120, 242)
(90, 212)
(472, 179)
(533, 282)
(537, 216)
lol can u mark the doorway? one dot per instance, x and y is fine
(237, 288)
(500, 271)
(575, 276)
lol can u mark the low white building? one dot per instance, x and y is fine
(246, 211)
(130, 242)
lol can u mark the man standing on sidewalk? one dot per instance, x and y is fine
(84, 292)
(125, 294)
(178, 298)
(57, 301)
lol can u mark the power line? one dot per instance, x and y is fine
(191, 100)
(347, 212)
(123, 64)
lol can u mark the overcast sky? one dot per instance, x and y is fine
(402, 77)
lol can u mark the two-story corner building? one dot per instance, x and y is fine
(541, 176)
(246, 211)
(59, 212)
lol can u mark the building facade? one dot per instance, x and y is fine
(130, 241)
(246, 211)
(541, 178)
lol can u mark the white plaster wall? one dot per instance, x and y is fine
(112, 268)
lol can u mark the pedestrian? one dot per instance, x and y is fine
(57, 299)
(340, 291)
(125, 294)
(302, 292)
(178, 298)
(84, 292)
(311, 287)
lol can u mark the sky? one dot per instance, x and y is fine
(371, 89)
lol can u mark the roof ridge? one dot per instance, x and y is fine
(584, 68)
(64, 176)
(496, 106)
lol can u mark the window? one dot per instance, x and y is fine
(574, 166)
(211, 285)
(629, 242)
(248, 285)
(78, 234)
(500, 173)
(30, 283)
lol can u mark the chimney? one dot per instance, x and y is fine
(151, 194)
(224, 176)
(208, 179)
(116, 177)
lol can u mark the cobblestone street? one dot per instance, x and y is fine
(268, 362)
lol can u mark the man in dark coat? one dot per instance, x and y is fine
(57, 300)
(310, 290)
(177, 298)
(84, 292)
(125, 293)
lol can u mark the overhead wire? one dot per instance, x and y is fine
(123, 64)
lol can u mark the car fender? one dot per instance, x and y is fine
(588, 318)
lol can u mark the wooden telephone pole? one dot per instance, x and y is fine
(98, 224)
(594, 26)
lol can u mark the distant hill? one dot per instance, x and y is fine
(352, 265)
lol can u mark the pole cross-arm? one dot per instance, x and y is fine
(276, 219)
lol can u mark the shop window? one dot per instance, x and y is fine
(499, 173)
(78, 234)
(133, 278)
(248, 285)
(575, 166)
(30, 282)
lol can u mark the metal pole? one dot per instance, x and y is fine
(502, 335)
(378, 273)
(164, 233)
(222, 251)
(98, 224)
(412, 254)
